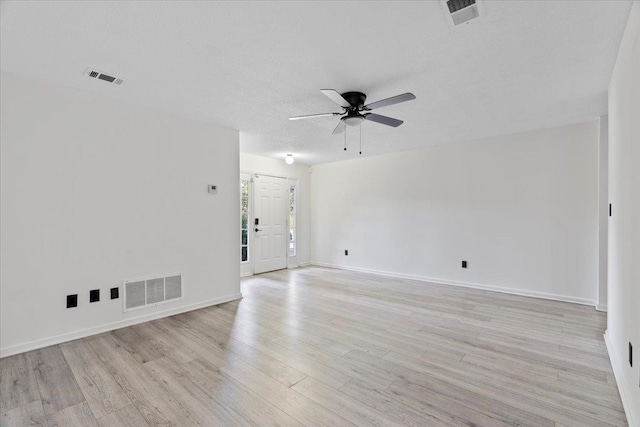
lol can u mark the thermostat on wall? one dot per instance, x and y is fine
(213, 189)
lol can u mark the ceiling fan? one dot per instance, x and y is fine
(354, 111)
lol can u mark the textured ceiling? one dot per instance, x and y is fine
(251, 65)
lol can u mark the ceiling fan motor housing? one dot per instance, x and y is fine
(356, 99)
(354, 117)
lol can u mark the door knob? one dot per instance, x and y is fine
(257, 229)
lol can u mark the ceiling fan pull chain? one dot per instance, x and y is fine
(345, 138)
(360, 139)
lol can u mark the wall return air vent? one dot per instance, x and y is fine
(461, 11)
(104, 77)
(150, 292)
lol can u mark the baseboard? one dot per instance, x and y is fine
(298, 265)
(70, 336)
(601, 307)
(520, 292)
(246, 274)
(633, 418)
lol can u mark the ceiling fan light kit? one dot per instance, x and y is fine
(353, 120)
(355, 112)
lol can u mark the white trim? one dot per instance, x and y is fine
(253, 173)
(601, 307)
(70, 336)
(521, 292)
(247, 274)
(633, 418)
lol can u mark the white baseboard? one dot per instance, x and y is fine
(521, 292)
(298, 265)
(633, 418)
(246, 274)
(601, 307)
(70, 336)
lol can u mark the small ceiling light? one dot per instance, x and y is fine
(289, 159)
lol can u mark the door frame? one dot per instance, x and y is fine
(251, 236)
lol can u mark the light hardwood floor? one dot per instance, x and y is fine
(316, 346)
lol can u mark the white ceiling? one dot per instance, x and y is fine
(250, 65)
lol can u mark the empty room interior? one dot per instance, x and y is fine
(320, 213)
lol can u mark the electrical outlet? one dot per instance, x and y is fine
(94, 295)
(464, 264)
(115, 293)
(346, 252)
(72, 301)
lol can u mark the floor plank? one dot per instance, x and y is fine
(124, 417)
(100, 390)
(18, 384)
(31, 414)
(225, 390)
(79, 415)
(289, 401)
(58, 388)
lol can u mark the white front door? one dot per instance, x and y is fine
(270, 223)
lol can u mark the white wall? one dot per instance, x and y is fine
(603, 211)
(521, 209)
(96, 191)
(269, 166)
(624, 226)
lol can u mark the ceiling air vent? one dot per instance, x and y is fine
(461, 11)
(104, 77)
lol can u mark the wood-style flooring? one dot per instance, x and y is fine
(316, 346)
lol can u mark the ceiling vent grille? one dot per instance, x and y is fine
(104, 77)
(461, 11)
(151, 292)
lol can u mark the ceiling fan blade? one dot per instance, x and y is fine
(339, 128)
(383, 120)
(313, 116)
(390, 101)
(333, 95)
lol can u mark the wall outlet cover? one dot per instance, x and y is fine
(115, 293)
(94, 295)
(72, 301)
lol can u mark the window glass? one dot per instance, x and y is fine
(244, 220)
(292, 219)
